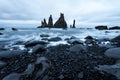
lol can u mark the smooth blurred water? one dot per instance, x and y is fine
(26, 34)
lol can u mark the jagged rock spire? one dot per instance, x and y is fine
(50, 22)
(60, 23)
(73, 23)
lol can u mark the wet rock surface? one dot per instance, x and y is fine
(60, 62)
(55, 39)
(101, 27)
(33, 43)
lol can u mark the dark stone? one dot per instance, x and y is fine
(116, 41)
(38, 49)
(2, 64)
(73, 23)
(55, 39)
(101, 27)
(75, 41)
(34, 43)
(89, 37)
(14, 29)
(50, 22)
(1, 33)
(44, 35)
(61, 23)
(77, 48)
(114, 28)
(9, 54)
(2, 28)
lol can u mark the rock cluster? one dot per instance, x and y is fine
(74, 61)
(60, 23)
(104, 27)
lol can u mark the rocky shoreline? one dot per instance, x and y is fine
(76, 60)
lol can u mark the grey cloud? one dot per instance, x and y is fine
(81, 10)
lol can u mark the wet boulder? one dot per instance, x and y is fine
(55, 39)
(9, 54)
(113, 53)
(61, 23)
(18, 76)
(38, 49)
(101, 27)
(34, 43)
(77, 48)
(89, 40)
(2, 64)
(75, 41)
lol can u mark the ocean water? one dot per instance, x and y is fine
(9, 37)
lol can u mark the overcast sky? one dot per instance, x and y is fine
(84, 11)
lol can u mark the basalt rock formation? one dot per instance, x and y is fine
(73, 26)
(101, 27)
(43, 24)
(115, 28)
(60, 23)
(50, 22)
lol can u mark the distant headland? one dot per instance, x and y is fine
(60, 23)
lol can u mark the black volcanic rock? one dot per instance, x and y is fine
(14, 29)
(101, 27)
(1, 33)
(115, 27)
(43, 24)
(116, 41)
(50, 22)
(55, 39)
(73, 23)
(2, 28)
(60, 23)
(34, 43)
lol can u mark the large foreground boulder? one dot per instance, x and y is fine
(111, 69)
(2, 64)
(1, 33)
(60, 23)
(101, 27)
(113, 53)
(9, 54)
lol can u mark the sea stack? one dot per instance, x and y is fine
(50, 22)
(60, 23)
(73, 23)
